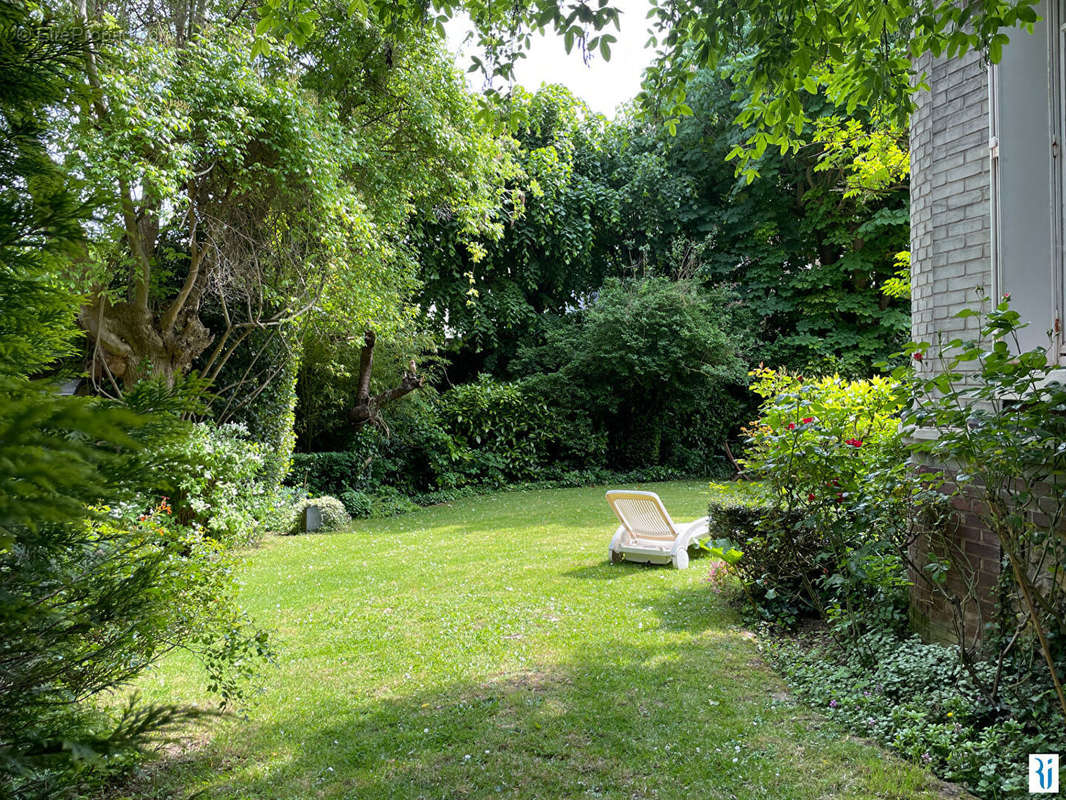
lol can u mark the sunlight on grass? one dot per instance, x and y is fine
(487, 649)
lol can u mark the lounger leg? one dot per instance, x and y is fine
(680, 559)
(616, 544)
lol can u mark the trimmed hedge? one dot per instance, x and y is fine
(334, 515)
(776, 546)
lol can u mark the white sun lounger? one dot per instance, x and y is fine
(647, 533)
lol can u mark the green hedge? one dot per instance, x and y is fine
(776, 547)
(475, 437)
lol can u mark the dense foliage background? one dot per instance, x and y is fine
(244, 245)
(635, 281)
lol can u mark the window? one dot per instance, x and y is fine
(1026, 124)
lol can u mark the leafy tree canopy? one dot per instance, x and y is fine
(557, 220)
(808, 248)
(855, 53)
(239, 192)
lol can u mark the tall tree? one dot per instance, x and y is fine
(557, 218)
(855, 53)
(86, 601)
(809, 247)
(240, 192)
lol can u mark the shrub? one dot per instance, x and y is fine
(358, 504)
(87, 607)
(415, 454)
(816, 441)
(216, 474)
(391, 504)
(998, 418)
(275, 512)
(329, 473)
(655, 363)
(832, 463)
(506, 434)
(334, 516)
(777, 553)
(485, 433)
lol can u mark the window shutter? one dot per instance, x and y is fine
(1022, 167)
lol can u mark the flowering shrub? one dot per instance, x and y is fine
(834, 455)
(831, 462)
(218, 483)
(815, 441)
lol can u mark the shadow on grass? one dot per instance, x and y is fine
(615, 723)
(606, 571)
(624, 720)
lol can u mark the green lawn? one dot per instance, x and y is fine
(487, 649)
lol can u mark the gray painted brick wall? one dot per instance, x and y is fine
(951, 252)
(951, 255)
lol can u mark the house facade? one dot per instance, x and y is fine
(987, 187)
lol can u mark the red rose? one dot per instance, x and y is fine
(792, 426)
(811, 497)
(808, 420)
(917, 356)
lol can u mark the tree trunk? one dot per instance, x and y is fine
(367, 407)
(127, 343)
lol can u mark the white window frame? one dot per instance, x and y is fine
(1054, 24)
(1057, 77)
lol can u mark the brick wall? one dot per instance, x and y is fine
(975, 555)
(951, 252)
(951, 255)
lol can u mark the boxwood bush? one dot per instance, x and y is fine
(334, 515)
(775, 553)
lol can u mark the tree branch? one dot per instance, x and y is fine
(367, 407)
(195, 258)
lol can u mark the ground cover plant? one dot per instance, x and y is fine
(918, 699)
(830, 535)
(488, 648)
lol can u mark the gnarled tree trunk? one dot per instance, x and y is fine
(367, 407)
(128, 343)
